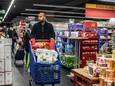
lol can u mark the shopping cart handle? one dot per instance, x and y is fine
(42, 40)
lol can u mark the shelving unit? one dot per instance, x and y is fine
(70, 48)
(103, 37)
(113, 41)
(89, 48)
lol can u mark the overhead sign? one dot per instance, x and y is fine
(98, 6)
(99, 11)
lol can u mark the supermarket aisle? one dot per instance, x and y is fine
(21, 78)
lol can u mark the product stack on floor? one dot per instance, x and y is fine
(5, 63)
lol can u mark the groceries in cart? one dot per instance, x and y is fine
(46, 56)
(48, 44)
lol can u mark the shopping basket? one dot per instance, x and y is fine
(44, 73)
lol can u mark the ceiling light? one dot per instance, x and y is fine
(57, 6)
(107, 0)
(52, 11)
(12, 2)
(30, 14)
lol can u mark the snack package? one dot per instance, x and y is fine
(46, 56)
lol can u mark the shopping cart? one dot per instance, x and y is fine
(44, 73)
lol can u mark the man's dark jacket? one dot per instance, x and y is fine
(45, 31)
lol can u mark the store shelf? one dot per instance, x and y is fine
(90, 50)
(77, 38)
(63, 36)
(90, 44)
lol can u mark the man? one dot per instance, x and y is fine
(42, 29)
(10, 31)
(14, 39)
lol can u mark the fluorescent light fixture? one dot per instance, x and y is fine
(51, 11)
(30, 14)
(57, 6)
(107, 0)
(12, 2)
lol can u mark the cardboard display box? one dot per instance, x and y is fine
(7, 49)
(8, 65)
(2, 65)
(8, 78)
(2, 79)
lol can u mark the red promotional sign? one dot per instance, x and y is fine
(90, 25)
(99, 13)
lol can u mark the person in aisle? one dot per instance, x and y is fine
(27, 37)
(10, 31)
(14, 39)
(43, 29)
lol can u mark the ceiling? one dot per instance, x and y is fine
(21, 6)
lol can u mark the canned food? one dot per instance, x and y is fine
(101, 82)
(110, 74)
(111, 64)
(103, 72)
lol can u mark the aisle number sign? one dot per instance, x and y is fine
(103, 7)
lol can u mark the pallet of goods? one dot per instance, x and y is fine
(5, 63)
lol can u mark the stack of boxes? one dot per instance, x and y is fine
(113, 54)
(107, 71)
(5, 62)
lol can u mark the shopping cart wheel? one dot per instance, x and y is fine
(30, 82)
(53, 84)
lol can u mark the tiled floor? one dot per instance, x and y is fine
(21, 78)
